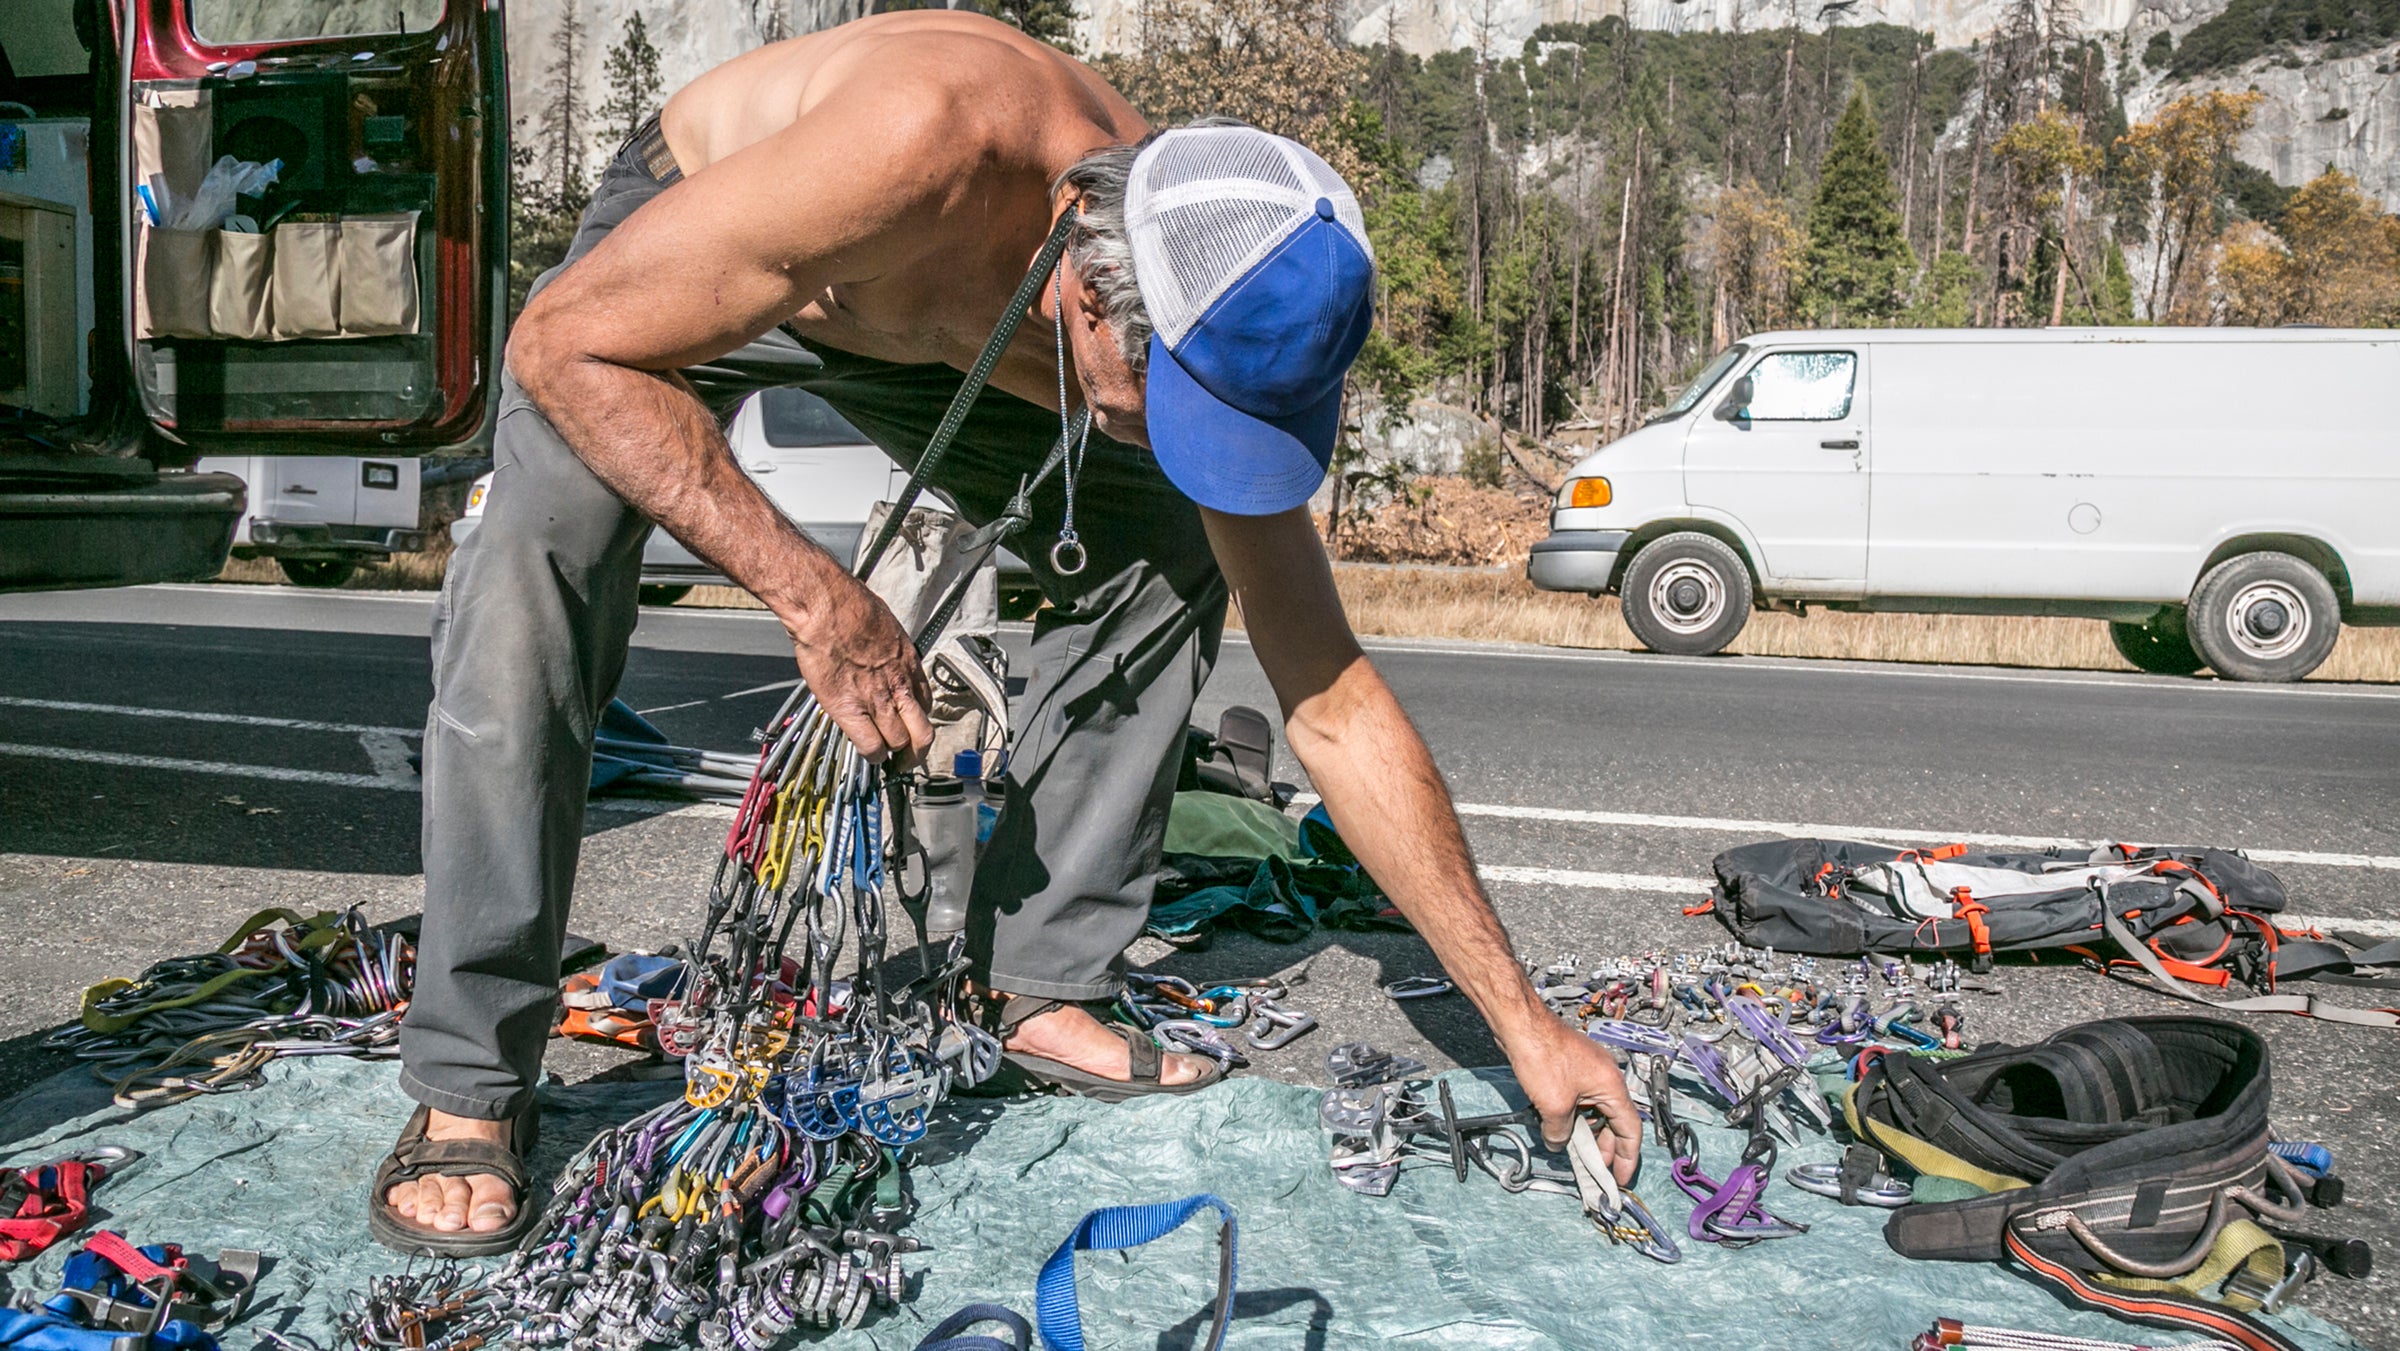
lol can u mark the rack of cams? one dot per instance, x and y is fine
(767, 1197)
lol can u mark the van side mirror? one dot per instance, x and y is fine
(1736, 406)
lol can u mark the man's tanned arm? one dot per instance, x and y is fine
(1379, 784)
(696, 273)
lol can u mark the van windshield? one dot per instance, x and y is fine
(1698, 389)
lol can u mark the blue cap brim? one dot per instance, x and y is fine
(1228, 460)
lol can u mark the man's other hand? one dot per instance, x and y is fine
(1565, 1072)
(863, 668)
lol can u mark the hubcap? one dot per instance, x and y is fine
(1687, 596)
(2267, 621)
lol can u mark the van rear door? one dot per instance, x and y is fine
(351, 304)
(1791, 467)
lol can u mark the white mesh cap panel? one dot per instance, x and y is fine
(1206, 203)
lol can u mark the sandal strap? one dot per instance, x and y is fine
(459, 1158)
(1144, 1060)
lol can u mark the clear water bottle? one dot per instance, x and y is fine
(945, 821)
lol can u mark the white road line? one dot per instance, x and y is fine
(273, 772)
(1562, 877)
(1804, 830)
(191, 715)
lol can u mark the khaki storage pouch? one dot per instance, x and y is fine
(378, 266)
(172, 299)
(307, 279)
(240, 291)
(171, 144)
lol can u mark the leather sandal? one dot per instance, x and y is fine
(414, 1156)
(1146, 1059)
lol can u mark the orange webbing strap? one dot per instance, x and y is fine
(2166, 982)
(1973, 911)
(2159, 1308)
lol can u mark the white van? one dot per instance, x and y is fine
(2224, 497)
(320, 516)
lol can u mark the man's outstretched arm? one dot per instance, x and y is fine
(1379, 784)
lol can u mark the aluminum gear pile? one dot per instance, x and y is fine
(768, 1196)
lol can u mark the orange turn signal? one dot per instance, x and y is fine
(1587, 492)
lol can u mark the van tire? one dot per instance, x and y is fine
(2264, 616)
(663, 595)
(317, 571)
(2162, 646)
(1686, 595)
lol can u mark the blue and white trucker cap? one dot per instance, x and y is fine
(1252, 258)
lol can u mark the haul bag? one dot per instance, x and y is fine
(1840, 898)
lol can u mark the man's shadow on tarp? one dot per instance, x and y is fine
(1192, 1332)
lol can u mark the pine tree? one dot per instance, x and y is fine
(563, 109)
(1857, 258)
(631, 74)
(1052, 21)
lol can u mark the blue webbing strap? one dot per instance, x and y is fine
(1055, 1310)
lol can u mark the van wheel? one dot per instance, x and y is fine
(664, 595)
(2265, 616)
(317, 571)
(1686, 595)
(2162, 647)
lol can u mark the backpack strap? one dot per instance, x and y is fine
(2165, 982)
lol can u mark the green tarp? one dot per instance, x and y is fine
(1436, 1265)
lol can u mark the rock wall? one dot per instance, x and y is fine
(2344, 113)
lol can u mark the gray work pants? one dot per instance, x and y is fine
(530, 637)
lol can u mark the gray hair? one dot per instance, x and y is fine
(1100, 248)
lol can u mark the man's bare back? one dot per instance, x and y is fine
(1008, 115)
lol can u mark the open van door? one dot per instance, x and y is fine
(354, 304)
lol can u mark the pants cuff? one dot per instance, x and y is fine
(480, 1109)
(1051, 989)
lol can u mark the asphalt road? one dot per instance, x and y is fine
(174, 758)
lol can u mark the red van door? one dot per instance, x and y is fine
(315, 232)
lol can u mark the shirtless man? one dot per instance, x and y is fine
(877, 190)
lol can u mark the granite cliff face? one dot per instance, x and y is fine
(2343, 112)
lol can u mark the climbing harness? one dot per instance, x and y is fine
(45, 1203)
(2125, 1162)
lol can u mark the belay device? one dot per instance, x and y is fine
(2124, 1162)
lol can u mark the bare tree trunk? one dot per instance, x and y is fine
(1908, 149)
(1791, 54)
(1941, 199)
(2066, 222)
(1616, 312)
(1983, 108)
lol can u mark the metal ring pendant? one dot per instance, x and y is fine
(1067, 557)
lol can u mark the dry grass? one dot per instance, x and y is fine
(1501, 606)
(404, 572)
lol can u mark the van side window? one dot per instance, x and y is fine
(1803, 386)
(795, 417)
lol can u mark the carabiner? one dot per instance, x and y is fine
(1417, 987)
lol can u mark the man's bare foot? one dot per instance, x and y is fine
(1071, 1036)
(481, 1203)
